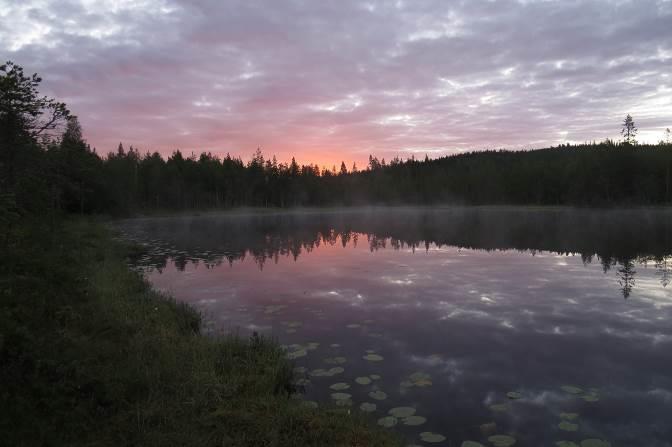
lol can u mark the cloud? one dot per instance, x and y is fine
(335, 80)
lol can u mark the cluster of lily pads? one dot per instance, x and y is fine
(371, 356)
(405, 415)
(342, 399)
(345, 399)
(294, 351)
(568, 421)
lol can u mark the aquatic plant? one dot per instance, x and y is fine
(502, 440)
(429, 437)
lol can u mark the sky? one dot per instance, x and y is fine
(332, 80)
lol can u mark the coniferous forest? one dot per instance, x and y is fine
(47, 165)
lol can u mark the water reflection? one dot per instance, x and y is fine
(618, 240)
(462, 306)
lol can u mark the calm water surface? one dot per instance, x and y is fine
(449, 310)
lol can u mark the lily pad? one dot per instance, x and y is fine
(414, 420)
(368, 407)
(326, 372)
(344, 402)
(339, 386)
(402, 412)
(500, 408)
(378, 395)
(429, 437)
(566, 444)
(296, 354)
(568, 426)
(363, 380)
(571, 389)
(353, 326)
(341, 396)
(472, 444)
(590, 397)
(592, 442)
(373, 357)
(514, 395)
(569, 416)
(302, 381)
(387, 421)
(502, 440)
(374, 377)
(300, 370)
(309, 404)
(334, 345)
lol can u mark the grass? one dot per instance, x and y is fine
(91, 355)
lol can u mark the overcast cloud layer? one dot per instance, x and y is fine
(329, 80)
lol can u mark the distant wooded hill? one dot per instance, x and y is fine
(603, 174)
(46, 166)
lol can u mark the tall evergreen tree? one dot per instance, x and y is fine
(629, 130)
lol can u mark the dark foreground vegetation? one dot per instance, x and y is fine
(89, 353)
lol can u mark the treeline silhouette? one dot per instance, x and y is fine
(616, 239)
(46, 165)
(605, 173)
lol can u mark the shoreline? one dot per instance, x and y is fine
(127, 365)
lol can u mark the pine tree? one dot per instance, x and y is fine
(629, 130)
(344, 170)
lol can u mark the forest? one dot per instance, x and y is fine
(46, 165)
(600, 174)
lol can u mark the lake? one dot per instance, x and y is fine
(481, 324)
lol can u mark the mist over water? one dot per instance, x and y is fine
(453, 308)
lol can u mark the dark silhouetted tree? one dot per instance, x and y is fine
(629, 130)
(28, 123)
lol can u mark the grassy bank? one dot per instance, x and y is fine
(91, 355)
